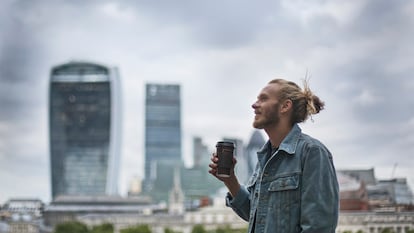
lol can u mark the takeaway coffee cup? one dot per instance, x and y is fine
(225, 158)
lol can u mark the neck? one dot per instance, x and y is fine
(277, 133)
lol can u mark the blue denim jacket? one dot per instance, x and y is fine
(295, 190)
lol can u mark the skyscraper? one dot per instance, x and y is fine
(256, 142)
(162, 133)
(201, 155)
(84, 124)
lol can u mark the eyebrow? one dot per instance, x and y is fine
(262, 95)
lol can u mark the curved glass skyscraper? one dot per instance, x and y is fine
(84, 124)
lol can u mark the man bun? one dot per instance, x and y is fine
(304, 102)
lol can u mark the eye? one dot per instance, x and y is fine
(262, 98)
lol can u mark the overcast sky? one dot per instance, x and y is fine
(359, 55)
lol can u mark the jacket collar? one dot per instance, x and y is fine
(288, 144)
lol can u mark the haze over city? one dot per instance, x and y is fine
(358, 55)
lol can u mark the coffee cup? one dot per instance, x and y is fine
(224, 153)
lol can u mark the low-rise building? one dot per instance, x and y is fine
(375, 222)
(360, 190)
(353, 193)
(21, 216)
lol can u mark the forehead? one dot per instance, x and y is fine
(270, 89)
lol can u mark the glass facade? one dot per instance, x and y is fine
(83, 124)
(255, 144)
(162, 130)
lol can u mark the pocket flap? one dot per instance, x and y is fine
(284, 183)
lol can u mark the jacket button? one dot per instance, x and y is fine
(256, 194)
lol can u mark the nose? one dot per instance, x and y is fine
(254, 105)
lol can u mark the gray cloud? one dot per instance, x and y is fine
(229, 24)
(378, 18)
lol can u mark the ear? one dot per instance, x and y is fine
(286, 106)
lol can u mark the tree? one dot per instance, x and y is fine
(226, 229)
(168, 230)
(71, 227)
(387, 230)
(137, 229)
(198, 229)
(103, 228)
(243, 230)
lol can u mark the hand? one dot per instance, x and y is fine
(213, 168)
(231, 182)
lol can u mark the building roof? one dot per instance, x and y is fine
(400, 191)
(347, 183)
(365, 175)
(101, 200)
(79, 67)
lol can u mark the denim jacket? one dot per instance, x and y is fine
(295, 190)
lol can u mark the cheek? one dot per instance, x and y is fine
(269, 112)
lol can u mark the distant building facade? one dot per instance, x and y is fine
(21, 216)
(353, 193)
(102, 208)
(124, 213)
(375, 222)
(256, 142)
(84, 124)
(162, 135)
(360, 190)
(365, 175)
(132, 211)
(392, 194)
(176, 196)
(201, 154)
(247, 155)
(198, 185)
(135, 186)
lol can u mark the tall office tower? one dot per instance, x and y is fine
(84, 124)
(200, 153)
(256, 142)
(162, 133)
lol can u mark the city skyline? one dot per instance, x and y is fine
(358, 55)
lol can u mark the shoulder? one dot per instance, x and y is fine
(310, 145)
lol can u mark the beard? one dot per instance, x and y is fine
(267, 118)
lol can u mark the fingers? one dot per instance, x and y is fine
(213, 165)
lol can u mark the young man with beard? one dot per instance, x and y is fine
(294, 187)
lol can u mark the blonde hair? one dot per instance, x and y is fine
(304, 102)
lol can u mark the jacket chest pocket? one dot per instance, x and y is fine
(284, 191)
(284, 203)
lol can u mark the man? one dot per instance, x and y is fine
(294, 187)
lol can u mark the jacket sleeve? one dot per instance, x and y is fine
(240, 203)
(320, 192)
